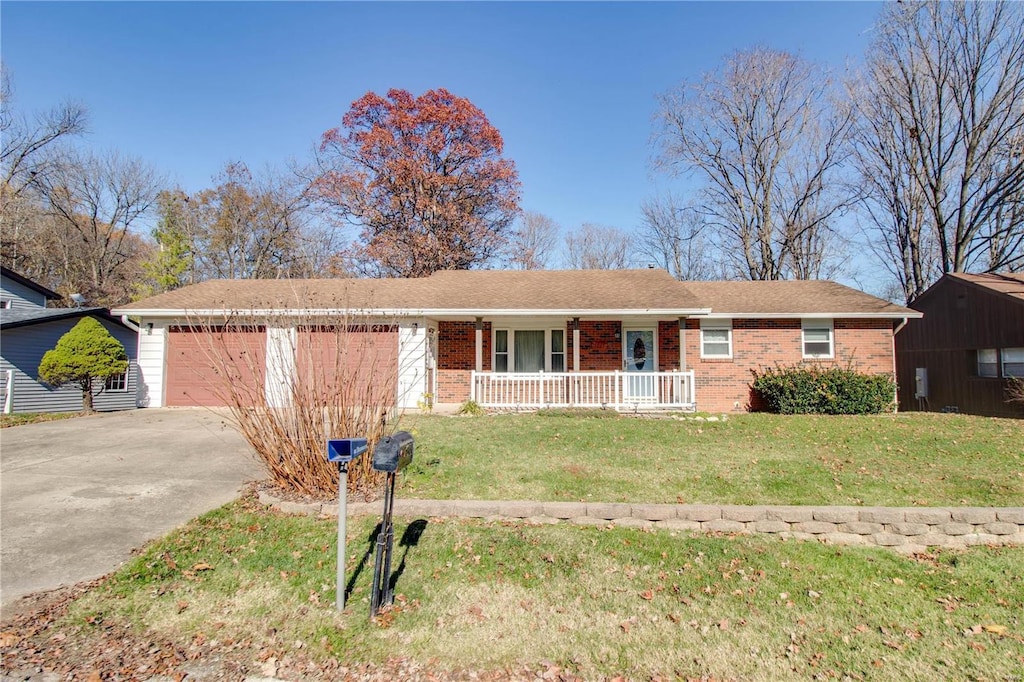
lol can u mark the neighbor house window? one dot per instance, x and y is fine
(529, 350)
(988, 363)
(716, 338)
(1013, 362)
(118, 382)
(817, 338)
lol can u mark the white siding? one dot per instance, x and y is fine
(412, 362)
(152, 361)
(281, 345)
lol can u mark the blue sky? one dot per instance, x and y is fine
(571, 86)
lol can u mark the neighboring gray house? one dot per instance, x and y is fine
(28, 329)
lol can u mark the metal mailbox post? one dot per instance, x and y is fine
(391, 455)
(343, 451)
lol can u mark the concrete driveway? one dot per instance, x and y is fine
(78, 495)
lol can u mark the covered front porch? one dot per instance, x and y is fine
(626, 391)
(629, 364)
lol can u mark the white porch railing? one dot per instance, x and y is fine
(615, 390)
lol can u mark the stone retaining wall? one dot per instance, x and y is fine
(902, 528)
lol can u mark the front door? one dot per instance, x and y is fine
(638, 354)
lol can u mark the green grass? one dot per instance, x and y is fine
(20, 418)
(885, 460)
(595, 601)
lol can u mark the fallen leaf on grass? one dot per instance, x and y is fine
(995, 629)
(647, 595)
(202, 566)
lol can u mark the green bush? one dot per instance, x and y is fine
(816, 390)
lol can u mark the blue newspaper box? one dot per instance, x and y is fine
(344, 450)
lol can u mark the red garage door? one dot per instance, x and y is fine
(355, 365)
(211, 367)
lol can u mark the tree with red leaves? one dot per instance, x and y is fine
(424, 179)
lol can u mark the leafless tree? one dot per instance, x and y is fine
(939, 138)
(598, 247)
(94, 202)
(532, 242)
(673, 236)
(768, 135)
(24, 141)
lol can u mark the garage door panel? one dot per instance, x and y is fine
(358, 365)
(210, 367)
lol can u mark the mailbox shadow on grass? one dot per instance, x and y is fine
(410, 538)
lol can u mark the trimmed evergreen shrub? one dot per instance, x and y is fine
(817, 390)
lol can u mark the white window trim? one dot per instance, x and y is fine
(125, 376)
(511, 331)
(818, 324)
(716, 325)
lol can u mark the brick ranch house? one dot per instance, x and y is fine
(622, 339)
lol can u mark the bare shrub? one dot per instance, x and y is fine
(331, 376)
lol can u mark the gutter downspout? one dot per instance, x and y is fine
(131, 325)
(895, 394)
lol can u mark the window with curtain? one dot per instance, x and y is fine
(529, 350)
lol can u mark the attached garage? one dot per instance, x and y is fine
(356, 364)
(211, 369)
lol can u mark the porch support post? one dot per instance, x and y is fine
(479, 344)
(575, 344)
(682, 344)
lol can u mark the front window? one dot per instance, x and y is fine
(529, 350)
(988, 363)
(715, 339)
(1013, 362)
(817, 338)
(557, 350)
(501, 350)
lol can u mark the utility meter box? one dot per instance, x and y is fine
(921, 382)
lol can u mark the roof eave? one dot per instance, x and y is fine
(811, 315)
(412, 312)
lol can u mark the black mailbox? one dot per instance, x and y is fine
(393, 453)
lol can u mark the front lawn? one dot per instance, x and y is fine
(886, 460)
(246, 591)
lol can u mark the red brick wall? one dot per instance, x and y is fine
(456, 358)
(600, 351)
(724, 385)
(668, 346)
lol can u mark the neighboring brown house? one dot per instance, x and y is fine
(621, 339)
(959, 357)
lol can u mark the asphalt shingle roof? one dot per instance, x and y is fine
(481, 291)
(1009, 283)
